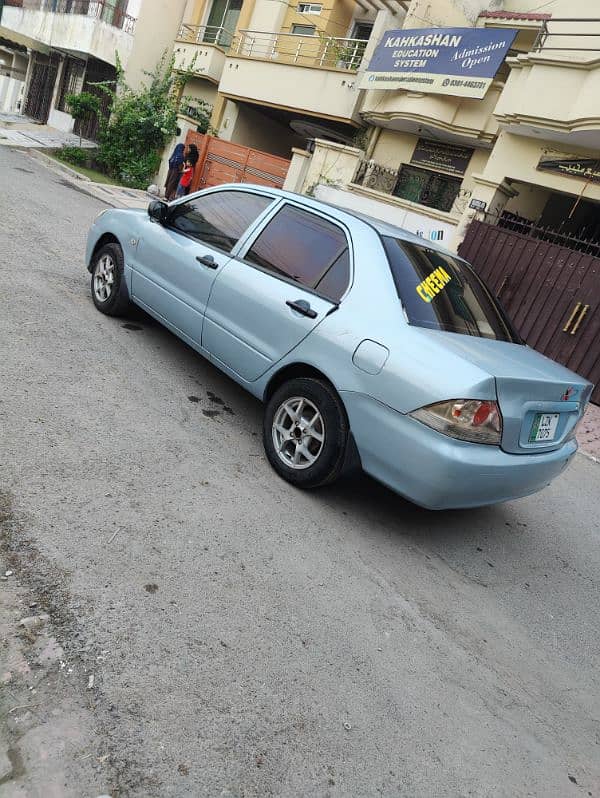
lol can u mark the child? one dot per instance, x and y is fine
(186, 179)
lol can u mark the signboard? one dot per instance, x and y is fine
(456, 61)
(451, 158)
(477, 205)
(584, 168)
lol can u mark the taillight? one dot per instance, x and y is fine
(474, 420)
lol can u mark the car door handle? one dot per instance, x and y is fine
(207, 260)
(302, 306)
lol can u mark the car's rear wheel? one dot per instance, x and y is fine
(305, 432)
(109, 290)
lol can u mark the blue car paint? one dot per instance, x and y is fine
(420, 366)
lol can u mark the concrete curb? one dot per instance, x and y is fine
(83, 183)
(57, 166)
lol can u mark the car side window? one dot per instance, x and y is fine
(304, 247)
(336, 280)
(219, 219)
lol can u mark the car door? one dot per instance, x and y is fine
(177, 261)
(285, 281)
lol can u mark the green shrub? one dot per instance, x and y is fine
(82, 106)
(74, 155)
(141, 122)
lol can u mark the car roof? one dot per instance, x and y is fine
(383, 228)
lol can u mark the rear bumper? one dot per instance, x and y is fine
(439, 472)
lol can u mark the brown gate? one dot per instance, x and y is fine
(41, 86)
(224, 162)
(550, 291)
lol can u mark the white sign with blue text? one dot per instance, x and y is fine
(456, 61)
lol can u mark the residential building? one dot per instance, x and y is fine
(277, 73)
(525, 148)
(52, 48)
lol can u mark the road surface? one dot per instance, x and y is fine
(214, 632)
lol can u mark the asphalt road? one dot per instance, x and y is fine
(246, 639)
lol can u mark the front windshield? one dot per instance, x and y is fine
(443, 293)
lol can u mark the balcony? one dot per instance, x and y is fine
(201, 49)
(466, 120)
(312, 74)
(81, 27)
(552, 92)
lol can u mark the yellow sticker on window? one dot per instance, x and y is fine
(433, 284)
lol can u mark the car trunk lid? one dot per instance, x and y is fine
(540, 400)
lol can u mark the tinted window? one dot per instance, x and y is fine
(299, 245)
(334, 283)
(219, 219)
(443, 293)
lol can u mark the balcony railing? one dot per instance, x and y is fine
(568, 34)
(205, 34)
(326, 52)
(100, 9)
(423, 187)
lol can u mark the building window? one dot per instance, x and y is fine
(72, 82)
(303, 30)
(432, 189)
(309, 8)
(362, 30)
(222, 21)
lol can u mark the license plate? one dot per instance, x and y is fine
(544, 427)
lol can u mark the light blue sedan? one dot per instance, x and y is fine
(370, 347)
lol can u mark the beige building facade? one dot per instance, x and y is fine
(59, 47)
(280, 74)
(52, 48)
(528, 149)
(277, 73)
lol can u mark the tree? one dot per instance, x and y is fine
(82, 107)
(141, 122)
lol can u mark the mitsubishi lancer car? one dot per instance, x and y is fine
(370, 347)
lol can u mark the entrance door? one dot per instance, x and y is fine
(41, 87)
(176, 263)
(264, 303)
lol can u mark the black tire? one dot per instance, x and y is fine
(116, 302)
(330, 457)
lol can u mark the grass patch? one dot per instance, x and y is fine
(95, 176)
(84, 169)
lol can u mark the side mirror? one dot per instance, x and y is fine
(158, 211)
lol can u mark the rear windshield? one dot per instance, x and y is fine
(443, 293)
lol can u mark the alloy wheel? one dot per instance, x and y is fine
(298, 432)
(104, 278)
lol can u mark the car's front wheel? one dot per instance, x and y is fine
(305, 432)
(109, 290)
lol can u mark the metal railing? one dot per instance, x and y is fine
(581, 239)
(449, 198)
(103, 10)
(568, 34)
(372, 175)
(327, 52)
(205, 34)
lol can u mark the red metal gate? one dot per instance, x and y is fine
(224, 162)
(551, 292)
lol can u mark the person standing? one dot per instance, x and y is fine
(174, 173)
(185, 181)
(192, 155)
